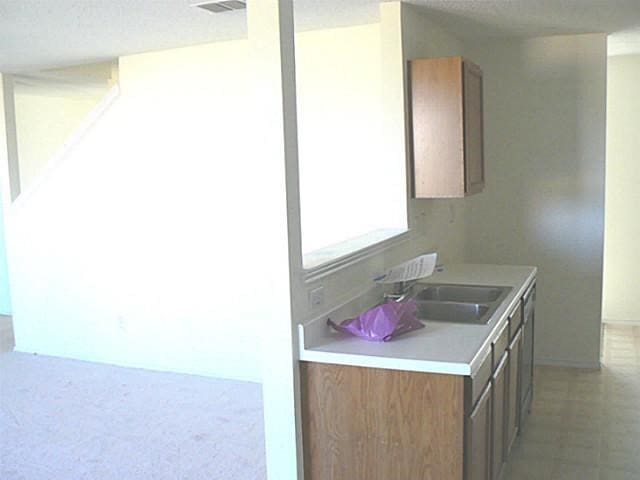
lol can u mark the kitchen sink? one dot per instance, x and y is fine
(461, 293)
(473, 304)
(453, 312)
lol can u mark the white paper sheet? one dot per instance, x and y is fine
(414, 269)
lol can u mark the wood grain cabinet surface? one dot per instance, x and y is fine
(447, 127)
(375, 424)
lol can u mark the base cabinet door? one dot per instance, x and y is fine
(513, 409)
(478, 441)
(500, 399)
(526, 374)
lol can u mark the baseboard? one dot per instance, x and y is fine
(7, 340)
(548, 362)
(131, 364)
(628, 323)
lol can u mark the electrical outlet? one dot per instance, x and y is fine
(316, 297)
(378, 274)
(123, 324)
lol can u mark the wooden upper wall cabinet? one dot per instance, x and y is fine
(447, 127)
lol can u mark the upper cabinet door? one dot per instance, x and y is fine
(473, 128)
(446, 113)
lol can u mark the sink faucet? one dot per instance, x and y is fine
(400, 291)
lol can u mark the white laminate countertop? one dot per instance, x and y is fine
(440, 347)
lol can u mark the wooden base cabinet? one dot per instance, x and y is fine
(375, 424)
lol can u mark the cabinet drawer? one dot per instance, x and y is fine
(477, 383)
(500, 344)
(515, 320)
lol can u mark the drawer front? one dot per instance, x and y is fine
(478, 382)
(515, 320)
(500, 345)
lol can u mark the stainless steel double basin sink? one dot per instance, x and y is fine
(474, 304)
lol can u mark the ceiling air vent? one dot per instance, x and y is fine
(223, 6)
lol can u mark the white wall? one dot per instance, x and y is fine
(543, 202)
(270, 26)
(137, 249)
(621, 302)
(340, 138)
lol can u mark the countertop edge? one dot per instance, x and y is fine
(387, 363)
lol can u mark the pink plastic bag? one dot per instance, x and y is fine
(382, 323)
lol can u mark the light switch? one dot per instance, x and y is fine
(316, 297)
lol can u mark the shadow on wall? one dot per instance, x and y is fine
(52, 108)
(543, 203)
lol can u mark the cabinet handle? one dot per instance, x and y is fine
(501, 365)
(516, 339)
(485, 393)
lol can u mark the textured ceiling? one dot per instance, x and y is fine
(473, 18)
(508, 18)
(38, 34)
(45, 33)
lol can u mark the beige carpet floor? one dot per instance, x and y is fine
(71, 420)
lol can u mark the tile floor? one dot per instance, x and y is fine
(585, 424)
